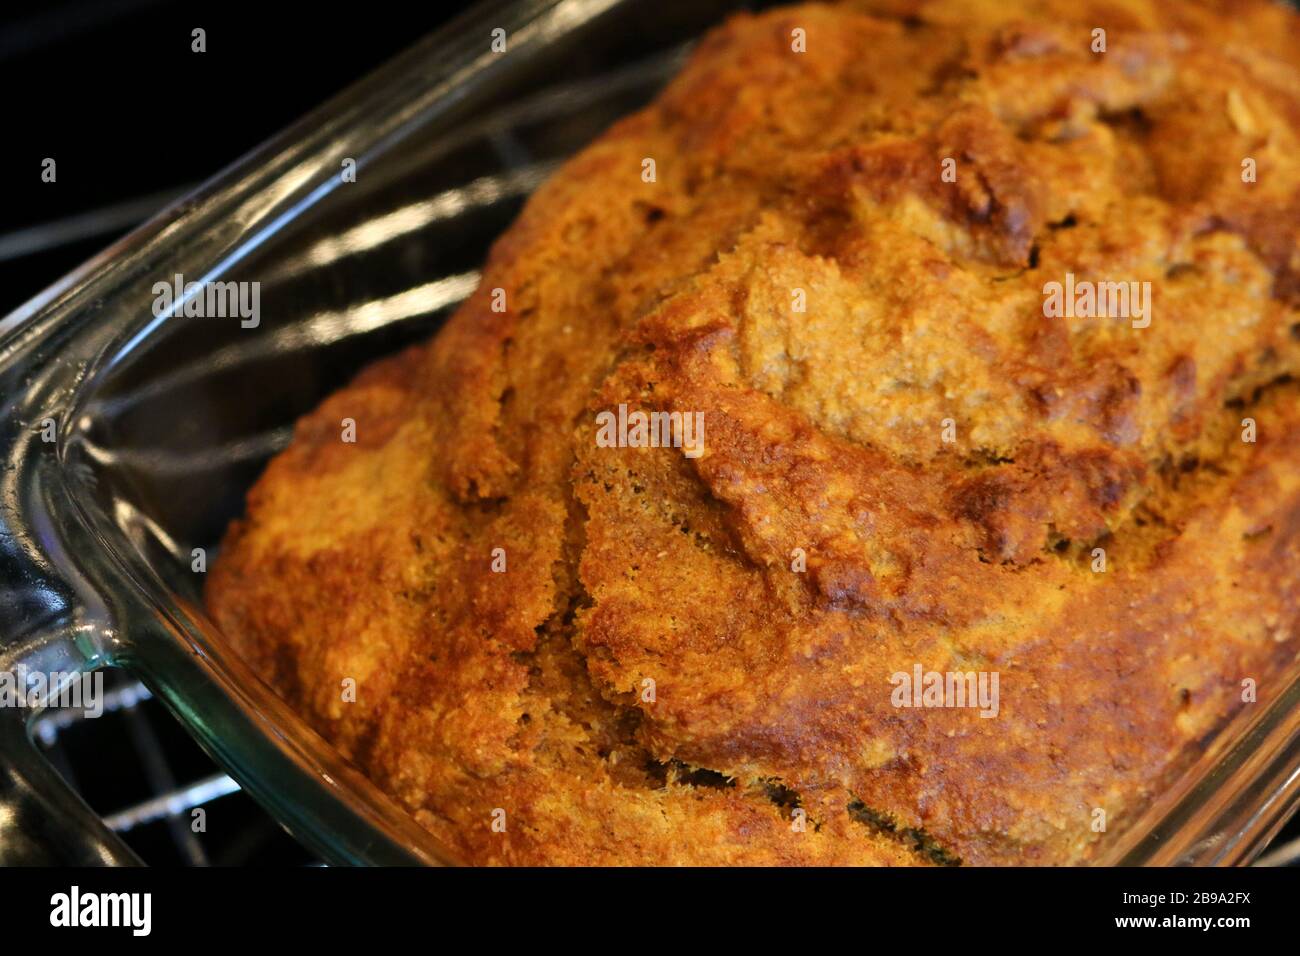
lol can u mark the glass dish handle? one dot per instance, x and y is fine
(42, 821)
(47, 626)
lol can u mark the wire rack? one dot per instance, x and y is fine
(138, 769)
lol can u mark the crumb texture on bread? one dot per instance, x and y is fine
(651, 680)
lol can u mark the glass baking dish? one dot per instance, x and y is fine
(162, 421)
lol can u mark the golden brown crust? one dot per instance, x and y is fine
(777, 171)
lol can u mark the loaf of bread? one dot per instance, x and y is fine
(882, 449)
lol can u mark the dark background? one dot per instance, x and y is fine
(112, 92)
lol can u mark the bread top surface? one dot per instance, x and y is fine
(917, 470)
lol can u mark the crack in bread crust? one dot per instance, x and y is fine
(526, 691)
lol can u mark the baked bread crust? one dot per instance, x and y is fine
(525, 690)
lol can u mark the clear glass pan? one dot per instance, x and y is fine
(164, 421)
